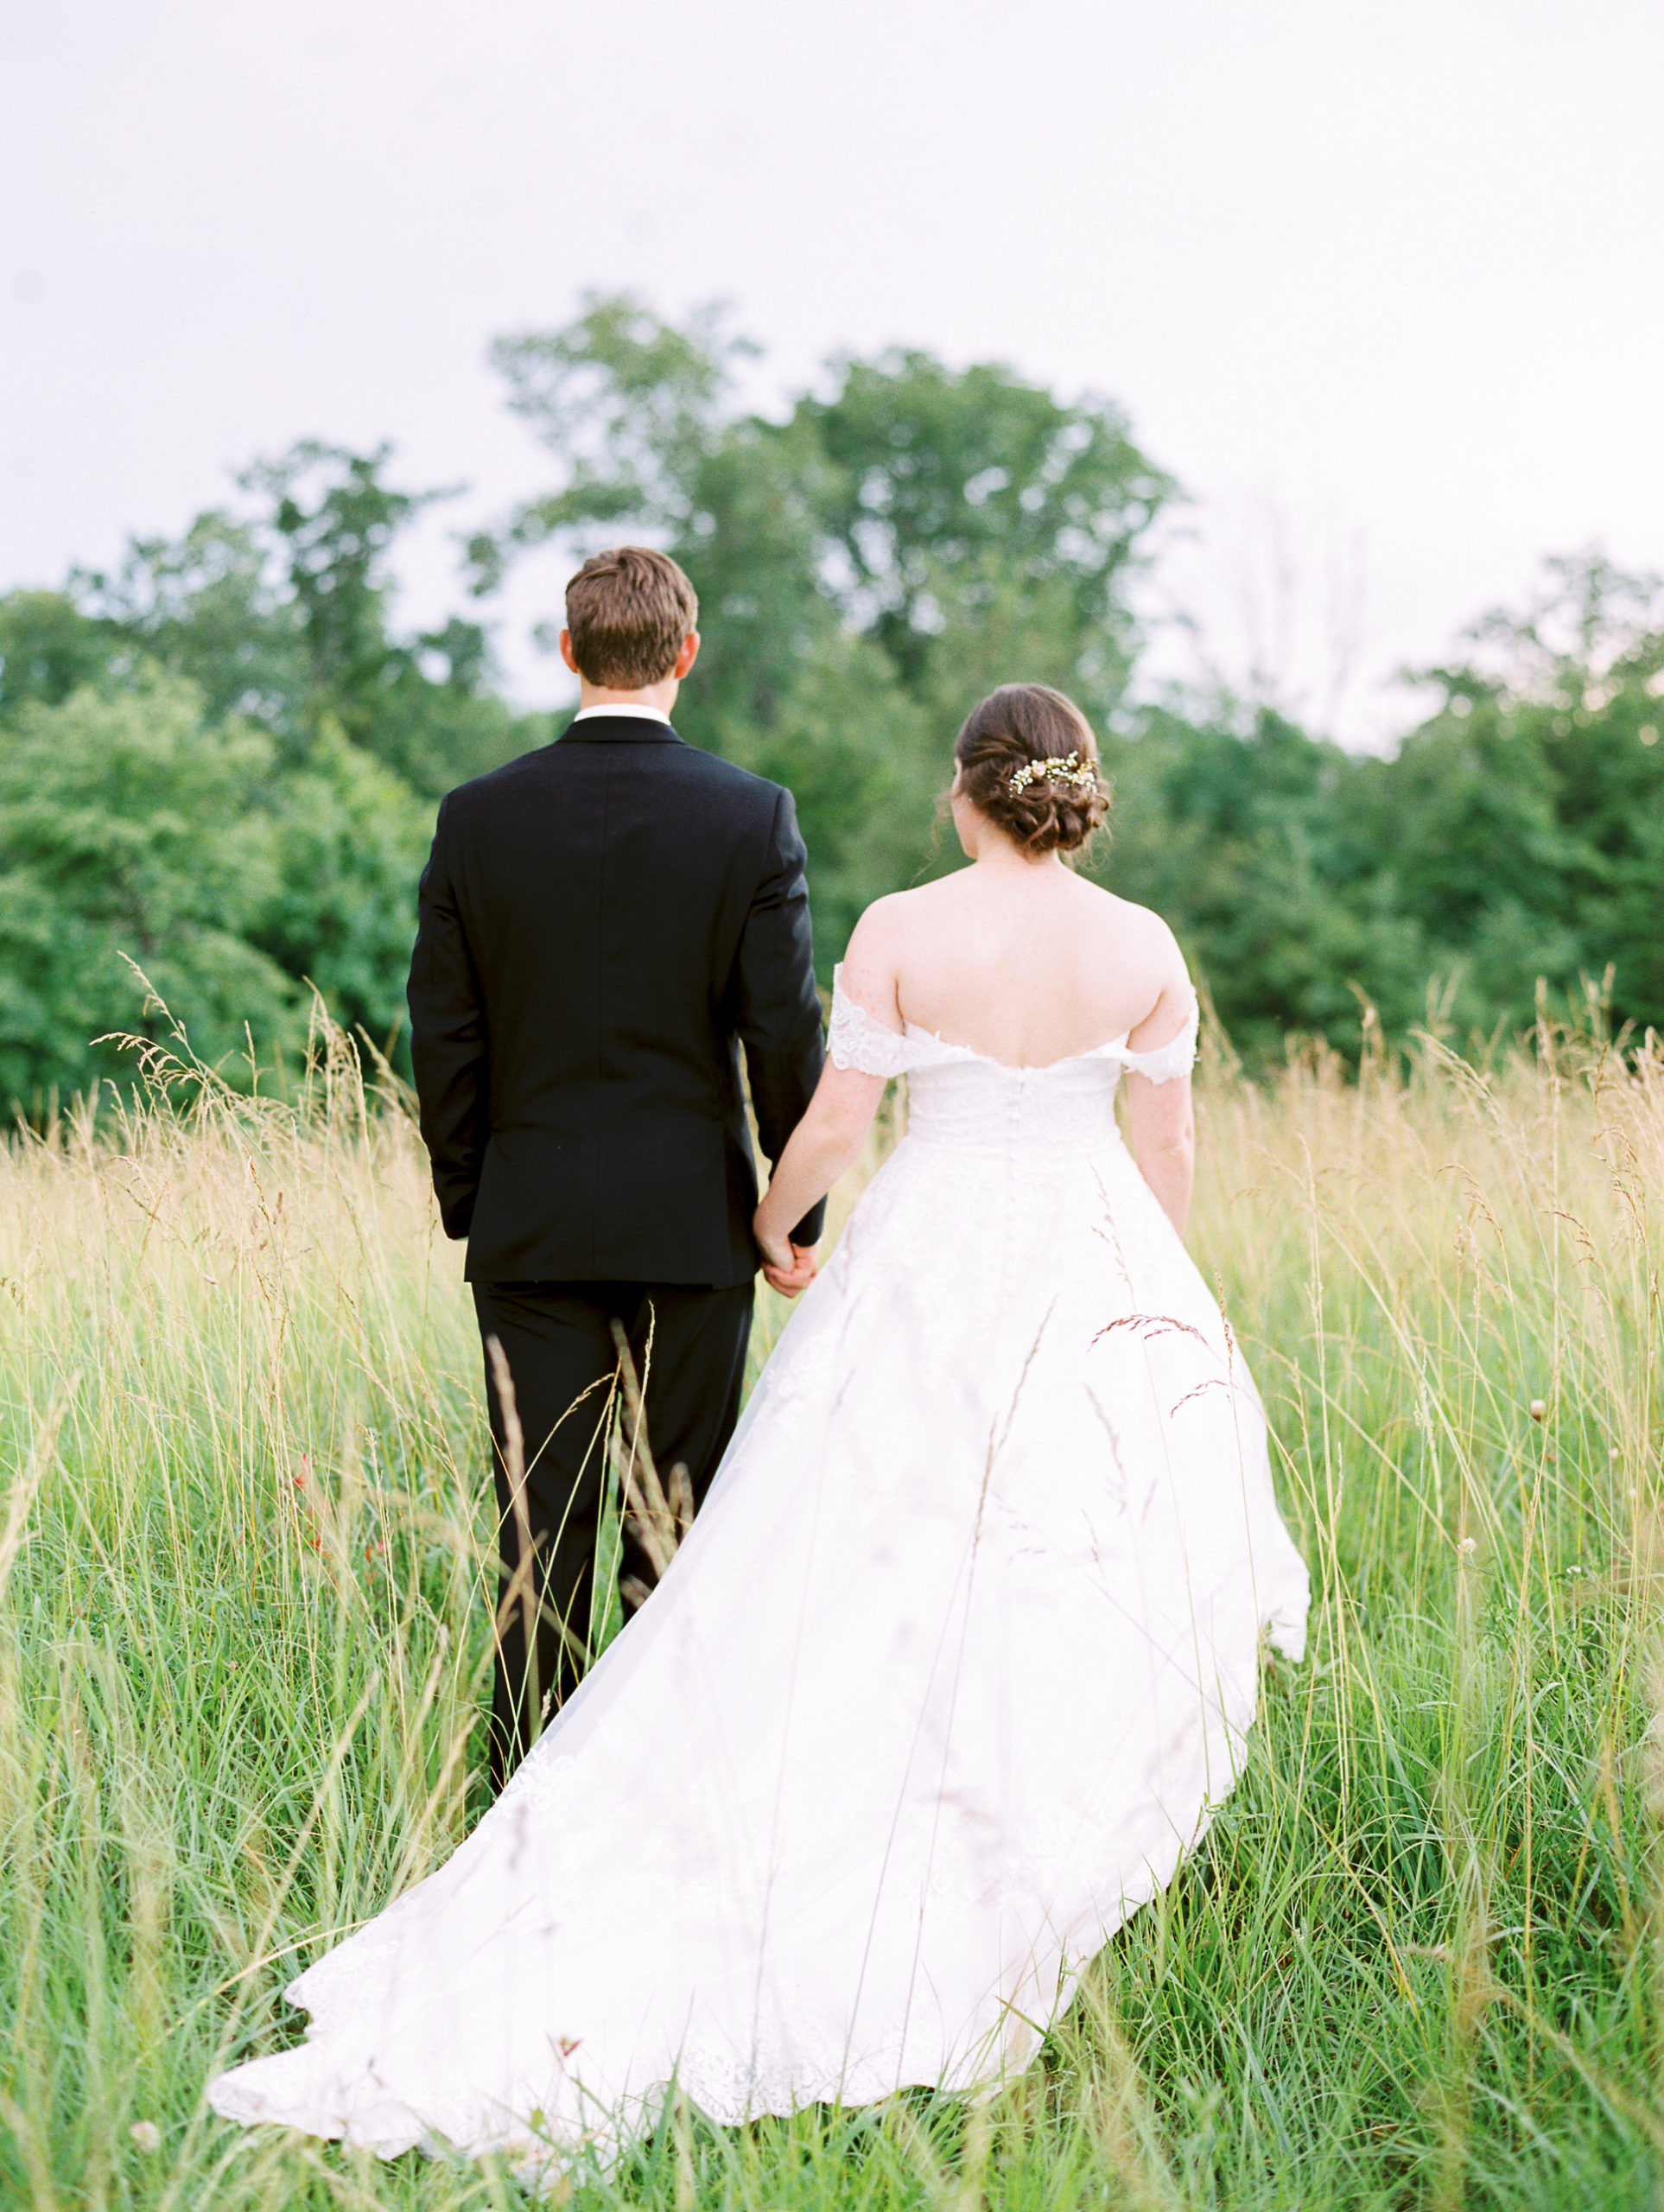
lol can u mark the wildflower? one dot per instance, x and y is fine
(1539, 1410)
(146, 2135)
(1467, 1547)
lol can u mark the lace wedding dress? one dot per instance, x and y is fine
(950, 1672)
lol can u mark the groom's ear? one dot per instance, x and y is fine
(567, 654)
(687, 654)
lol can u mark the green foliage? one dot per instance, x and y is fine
(983, 526)
(1251, 846)
(912, 535)
(866, 567)
(1524, 823)
(208, 609)
(129, 824)
(336, 522)
(870, 561)
(421, 706)
(49, 648)
(349, 840)
(1517, 834)
(631, 405)
(220, 761)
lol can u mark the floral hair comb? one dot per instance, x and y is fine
(1064, 768)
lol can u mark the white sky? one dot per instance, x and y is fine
(1382, 283)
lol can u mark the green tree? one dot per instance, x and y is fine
(210, 608)
(283, 617)
(631, 406)
(222, 758)
(985, 531)
(1247, 838)
(422, 706)
(131, 824)
(349, 838)
(336, 520)
(50, 646)
(1523, 822)
(232, 782)
(866, 566)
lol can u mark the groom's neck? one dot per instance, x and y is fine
(660, 697)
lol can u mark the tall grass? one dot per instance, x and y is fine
(1420, 1960)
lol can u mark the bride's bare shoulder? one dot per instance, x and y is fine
(893, 922)
(1143, 952)
(879, 926)
(1132, 924)
(873, 957)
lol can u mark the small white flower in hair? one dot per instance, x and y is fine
(1057, 768)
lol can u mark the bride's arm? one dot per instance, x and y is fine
(822, 1145)
(1160, 1114)
(832, 1130)
(1164, 1140)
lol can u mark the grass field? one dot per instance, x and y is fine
(1419, 1961)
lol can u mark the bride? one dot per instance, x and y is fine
(958, 1658)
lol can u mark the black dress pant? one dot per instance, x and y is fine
(558, 1339)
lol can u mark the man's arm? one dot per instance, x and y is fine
(776, 1010)
(447, 1042)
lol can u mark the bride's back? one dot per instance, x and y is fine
(1027, 964)
(1017, 956)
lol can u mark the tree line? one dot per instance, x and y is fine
(221, 759)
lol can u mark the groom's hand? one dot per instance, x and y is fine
(789, 1280)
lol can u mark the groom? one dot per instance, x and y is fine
(604, 924)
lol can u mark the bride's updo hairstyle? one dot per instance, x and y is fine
(1028, 761)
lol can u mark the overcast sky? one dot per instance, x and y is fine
(1382, 283)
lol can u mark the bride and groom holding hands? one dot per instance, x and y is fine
(960, 1653)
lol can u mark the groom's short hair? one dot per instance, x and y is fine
(628, 611)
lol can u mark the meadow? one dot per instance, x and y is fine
(1420, 1959)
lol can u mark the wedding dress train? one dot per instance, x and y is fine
(949, 1674)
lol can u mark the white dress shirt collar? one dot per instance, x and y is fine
(636, 714)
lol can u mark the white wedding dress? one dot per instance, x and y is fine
(949, 1675)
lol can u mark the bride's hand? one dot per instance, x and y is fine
(787, 1267)
(790, 1281)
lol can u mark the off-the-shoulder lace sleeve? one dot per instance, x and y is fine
(1176, 1058)
(855, 1040)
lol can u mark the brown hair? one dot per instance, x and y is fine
(1016, 725)
(628, 611)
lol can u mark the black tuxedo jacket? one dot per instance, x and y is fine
(604, 924)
